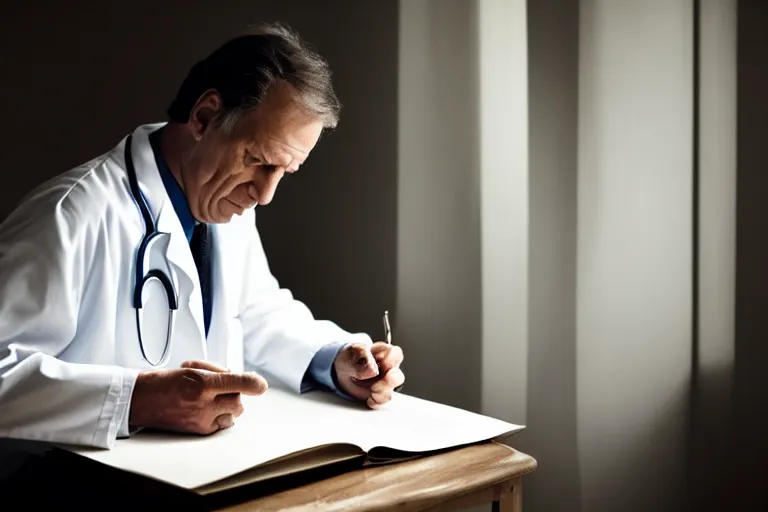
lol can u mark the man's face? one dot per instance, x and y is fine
(226, 173)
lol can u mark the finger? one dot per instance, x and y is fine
(381, 396)
(387, 356)
(224, 421)
(371, 403)
(381, 391)
(392, 379)
(229, 404)
(358, 363)
(227, 383)
(379, 347)
(204, 365)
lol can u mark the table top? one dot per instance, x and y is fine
(406, 486)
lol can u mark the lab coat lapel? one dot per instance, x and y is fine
(178, 252)
(180, 255)
(222, 245)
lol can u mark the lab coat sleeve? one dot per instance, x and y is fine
(321, 373)
(280, 334)
(44, 259)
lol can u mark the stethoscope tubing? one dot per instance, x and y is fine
(140, 277)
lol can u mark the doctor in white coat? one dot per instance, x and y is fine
(134, 290)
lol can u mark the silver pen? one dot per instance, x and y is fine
(388, 338)
(387, 329)
(387, 335)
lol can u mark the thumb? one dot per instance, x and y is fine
(360, 362)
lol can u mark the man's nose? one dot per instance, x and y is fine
(267, 185)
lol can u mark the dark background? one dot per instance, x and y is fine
(78, 76)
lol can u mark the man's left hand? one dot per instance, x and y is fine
(370, 373)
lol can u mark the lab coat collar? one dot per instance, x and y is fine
(177, 250)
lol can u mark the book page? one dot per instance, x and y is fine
(411, 424)
(279, 423)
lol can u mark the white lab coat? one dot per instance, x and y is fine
(69, 352)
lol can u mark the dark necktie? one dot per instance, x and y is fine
(201, 252)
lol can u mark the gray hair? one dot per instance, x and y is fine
(243, 69)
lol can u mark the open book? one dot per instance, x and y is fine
(282, 433)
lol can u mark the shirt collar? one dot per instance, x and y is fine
(175, 193)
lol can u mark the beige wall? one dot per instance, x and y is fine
(634, 270)
(504, 199)
(438, 315)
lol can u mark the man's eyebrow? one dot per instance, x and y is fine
(273, 158)
(260, 156)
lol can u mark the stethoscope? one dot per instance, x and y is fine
(151, 235)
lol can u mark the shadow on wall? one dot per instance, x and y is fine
(749, 446)
(711, 413)
(612, 485)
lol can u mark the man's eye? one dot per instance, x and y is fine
(251, 160)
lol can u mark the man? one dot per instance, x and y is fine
(91, 298)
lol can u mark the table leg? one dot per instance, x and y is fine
(511, 500)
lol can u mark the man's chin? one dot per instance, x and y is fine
(224, 218)
(226, 211)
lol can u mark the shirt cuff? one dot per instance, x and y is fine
(321, 371)
(124, 403)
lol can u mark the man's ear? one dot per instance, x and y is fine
(208, 106)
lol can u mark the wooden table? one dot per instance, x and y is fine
(452, 480)
(484, 473)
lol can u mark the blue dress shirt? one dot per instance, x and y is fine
(321, 371)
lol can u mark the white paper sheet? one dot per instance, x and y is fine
(279, 423)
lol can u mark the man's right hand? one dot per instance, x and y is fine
(198, 398)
